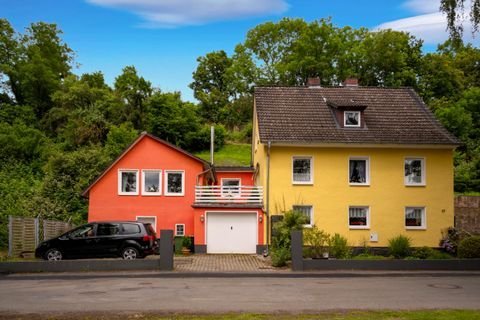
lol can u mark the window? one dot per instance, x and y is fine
(302, 170)
(83, 231)
(414, 172)
(231, 187)
(130, 228)
(174, 182)
(179, 230)
(307, 211)
(359, 217)
(359, 171)
(128, 182)
(148, 219)
(415, 218)
(152, 180)
(351, 118)
(108, 229)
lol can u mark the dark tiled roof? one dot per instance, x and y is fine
(303, 114)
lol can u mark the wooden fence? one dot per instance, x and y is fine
(24, 234)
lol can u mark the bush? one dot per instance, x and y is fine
(317, 241)
(399, 247)
(430, 253)
(280, 256)
(469, 247)
(338, 247)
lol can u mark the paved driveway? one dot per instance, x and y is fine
(224, 263)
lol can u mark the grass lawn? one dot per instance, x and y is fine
(229, 155)
(347, 315)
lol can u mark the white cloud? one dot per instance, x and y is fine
(173, 13)
(431, 25)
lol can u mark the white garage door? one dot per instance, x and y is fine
(231, 232)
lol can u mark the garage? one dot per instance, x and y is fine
(231, 232)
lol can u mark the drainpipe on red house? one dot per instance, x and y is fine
(267, 204)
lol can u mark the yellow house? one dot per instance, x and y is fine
(365, 162)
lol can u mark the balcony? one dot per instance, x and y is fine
(229, 195)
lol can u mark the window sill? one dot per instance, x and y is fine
(359, 227)
(128, 194)
(359, 184)
(151, 194)
(310, 183)
(415, 228)
(415, 185)
(174, 194)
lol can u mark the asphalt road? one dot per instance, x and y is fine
(219, 295)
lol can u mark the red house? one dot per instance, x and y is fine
(157, 182)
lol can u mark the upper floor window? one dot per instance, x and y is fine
(415, 218)
(351, 119)
(152, 181)
(414, 173)
(230, 187)
(359, 217)
(174, 183)
(307, 211)
(128, 182)
(302, 170)
(359, 171)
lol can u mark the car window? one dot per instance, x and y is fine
(108, 229)
(130, 228)
(82, 232)
(149, 229)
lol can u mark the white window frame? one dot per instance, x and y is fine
(424, 218)
(359, 227)
(227, 191)
(176, 229)
(171, 194)
(350, 125)
(424, 170)
(149, 193)
(311, 169)
(308, 225)
(149, 217)
(120, 191)
(367, 171)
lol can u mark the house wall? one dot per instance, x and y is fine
(246, 177)
(259, 161)
(106, 204)
(387, 196)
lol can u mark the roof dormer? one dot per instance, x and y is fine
(348, 113)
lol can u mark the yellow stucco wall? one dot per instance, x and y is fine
(386, 196)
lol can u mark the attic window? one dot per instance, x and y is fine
(351, 119)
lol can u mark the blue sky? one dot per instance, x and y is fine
(163, 38)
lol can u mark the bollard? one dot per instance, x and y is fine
(166, 250)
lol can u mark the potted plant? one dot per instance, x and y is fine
(186, 245)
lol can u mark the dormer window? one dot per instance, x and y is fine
(351, 119)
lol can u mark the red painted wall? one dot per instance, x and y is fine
(106, 204)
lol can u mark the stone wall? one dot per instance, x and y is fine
(467, 213)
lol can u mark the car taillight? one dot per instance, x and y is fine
(148, 238)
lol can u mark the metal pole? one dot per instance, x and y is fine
(10, 236)
(212, 144)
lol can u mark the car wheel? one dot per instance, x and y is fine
(130, 253)
(53, 255)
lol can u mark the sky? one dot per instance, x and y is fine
(164, 38)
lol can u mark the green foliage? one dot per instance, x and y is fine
(229, 155)
(187, 242)
(119, 138)
(430, 253)
(281, 239)
(317, 241)
(280, 256)
(368, 256)
(338, 247)
(399, 246)
(469, 247)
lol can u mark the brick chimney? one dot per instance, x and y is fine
(351, 82)
(313, 82)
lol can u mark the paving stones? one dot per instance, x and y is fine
(223, 263)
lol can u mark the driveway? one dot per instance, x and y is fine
(224, 263)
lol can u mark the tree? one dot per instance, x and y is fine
(455, 11)
(211, 84)
(134, 91)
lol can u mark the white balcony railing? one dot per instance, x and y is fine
(229, 194)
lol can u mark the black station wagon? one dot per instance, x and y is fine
(129, 240)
